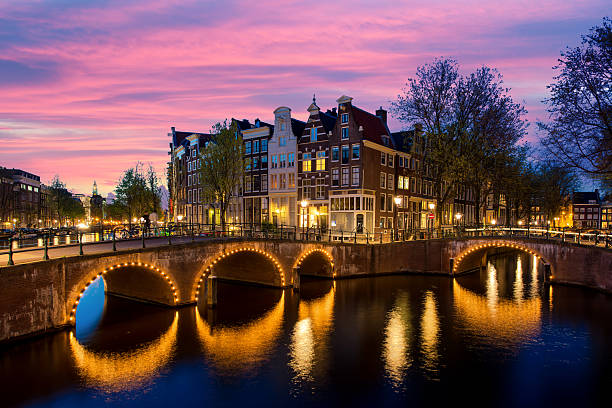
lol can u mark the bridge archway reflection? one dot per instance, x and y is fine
(309, 343)
(239, 347)
(506, 321)
(113, 371)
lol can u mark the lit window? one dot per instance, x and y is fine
(321, 161)
(400, 181)
(306, 163)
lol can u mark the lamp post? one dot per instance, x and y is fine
(458, 218)
(432, 207)
(398, 202)
(303, 204)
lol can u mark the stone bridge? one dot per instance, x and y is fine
(40, 296)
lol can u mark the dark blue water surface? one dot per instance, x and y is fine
(499, 338)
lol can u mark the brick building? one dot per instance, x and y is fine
(313, 168)
(256, 208)
(20, 197)
(586, 208)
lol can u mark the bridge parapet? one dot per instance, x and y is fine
(40, 296)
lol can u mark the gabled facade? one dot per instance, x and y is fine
(313, 169)
(255, 187)
(282, 168)
(356, 144)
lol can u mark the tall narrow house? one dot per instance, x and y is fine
(313, 169)
(362, 168)
(255, 191)
(282, 167)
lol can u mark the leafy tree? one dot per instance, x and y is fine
(136, 193)
(222, 167)
(61, 203)
(579, 130)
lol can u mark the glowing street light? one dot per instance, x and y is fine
(304, 204)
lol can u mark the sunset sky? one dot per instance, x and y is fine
(90, 87)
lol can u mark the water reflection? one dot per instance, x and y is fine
(396, 347)
(518, 281)
(310, 336)
(493, 318)
(430, 333)
(124, 371)
(239, 349)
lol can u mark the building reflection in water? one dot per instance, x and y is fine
(396, 347)
(310, 336)
(503, 321)
(124, 371)
(430, 333)
(235, 350)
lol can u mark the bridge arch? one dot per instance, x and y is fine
(222, 263)
(112, 270)
(479, 247)
(315, 262)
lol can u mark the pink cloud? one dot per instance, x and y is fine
(92, 89)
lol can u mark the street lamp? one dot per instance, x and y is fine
(432, 207)
(303, 204)
(398, 202)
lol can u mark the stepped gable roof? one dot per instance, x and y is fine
(403, 140)
(373, 127)
(297, 126)
(584, 197)
(328, 121)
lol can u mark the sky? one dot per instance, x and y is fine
(88, 88)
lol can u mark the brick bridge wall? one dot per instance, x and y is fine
(40, 296)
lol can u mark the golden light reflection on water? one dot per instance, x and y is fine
(518, 281)
(506, 322)
(309, 340)
(430, 332)
(534, 288)
(124, 371)
(396, 347)
(492, 286)
(236, 350)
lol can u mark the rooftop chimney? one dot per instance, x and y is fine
(381, 113)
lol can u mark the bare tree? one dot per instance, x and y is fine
(579, 130)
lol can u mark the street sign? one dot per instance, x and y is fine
(430, 216)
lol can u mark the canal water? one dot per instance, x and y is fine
(499, 338)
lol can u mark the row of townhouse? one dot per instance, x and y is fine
(341, 169)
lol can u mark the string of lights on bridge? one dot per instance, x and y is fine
(209, 268)
(492, 244)
(163, 274)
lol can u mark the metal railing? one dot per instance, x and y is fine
(185, 232)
